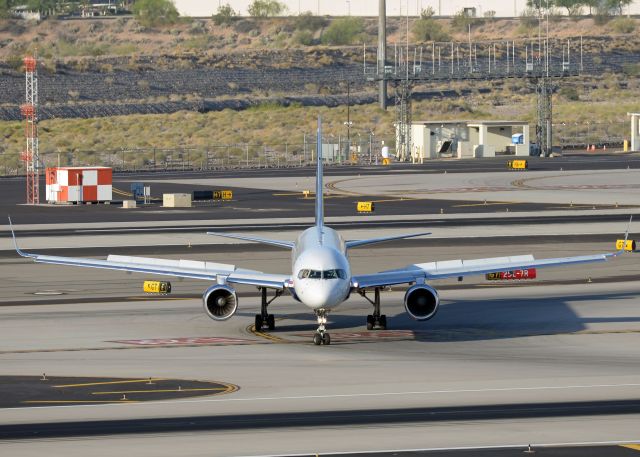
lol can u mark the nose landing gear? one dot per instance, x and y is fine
(264, 318)
(321, 336)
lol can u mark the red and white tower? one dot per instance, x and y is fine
(29, 110)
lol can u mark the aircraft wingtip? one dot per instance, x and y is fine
(15, 241)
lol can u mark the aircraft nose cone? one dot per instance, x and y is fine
(318, 297)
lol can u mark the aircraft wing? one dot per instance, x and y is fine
(210, 271)
(458, 268)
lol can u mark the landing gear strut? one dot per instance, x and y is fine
(264, 318)
(376, 320)
(321, 336)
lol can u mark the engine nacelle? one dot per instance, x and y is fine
(220, 302)
(421, 302)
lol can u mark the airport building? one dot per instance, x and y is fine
(635, 131)
(467, 139)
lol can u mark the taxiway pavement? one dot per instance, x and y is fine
(513, 363)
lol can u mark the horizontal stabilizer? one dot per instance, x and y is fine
(357, 243)
(278, 243)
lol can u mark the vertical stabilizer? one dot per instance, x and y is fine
(319, 184)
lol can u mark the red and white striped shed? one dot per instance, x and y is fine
(79, 184)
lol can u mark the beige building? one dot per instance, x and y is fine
(466, 139)
(635, 131)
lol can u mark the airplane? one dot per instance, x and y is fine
(321, 276)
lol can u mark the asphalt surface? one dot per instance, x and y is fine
(547, 361)
(352, 418)
(399, 224)
(249, 203)
(510, 363)
(246, 204)
(24, 391)
(546, 451)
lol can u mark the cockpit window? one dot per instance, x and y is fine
(326, 274)
(334, 274)
(315, 274)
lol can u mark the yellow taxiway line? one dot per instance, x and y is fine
(252, 329)
(635, 447)
(486, 204)
(79, 401)
(111, 382)
(195, 389)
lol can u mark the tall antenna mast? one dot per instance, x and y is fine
(29, 110)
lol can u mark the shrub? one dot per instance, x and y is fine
(343, 31)
(529, 18)
(623, 25)
(307, 21)
(246, 26)
(303, 37)
(266, 8)
(570, 93)
(197, 27)
(631, 69)
(427, 12)
(225, 15)
(461, 21)
(152, 13)
(429, 30)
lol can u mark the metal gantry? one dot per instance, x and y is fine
(544, 125)
(403, 120)
(533, 60)
(29, 110)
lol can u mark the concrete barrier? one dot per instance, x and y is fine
(176, 200)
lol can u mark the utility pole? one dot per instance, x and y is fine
(30, 155)
(382, 53)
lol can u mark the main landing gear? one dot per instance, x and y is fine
(321, 336)
(376, 320)
(264, 318)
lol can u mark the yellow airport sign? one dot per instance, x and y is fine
(517, 165)
(365, 207)
(629, 246)
(156, 287)
(222, 195)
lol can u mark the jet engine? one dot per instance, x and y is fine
(421, 302)
(220, 302)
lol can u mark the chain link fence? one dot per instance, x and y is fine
(360, 149)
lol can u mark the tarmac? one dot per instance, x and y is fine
(550, 363)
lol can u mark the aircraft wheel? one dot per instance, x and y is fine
(370, 322)
(259, 322)
(317, 339)
(271, 322)
(326, 339)
(382, 322)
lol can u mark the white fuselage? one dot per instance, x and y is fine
(321, 271)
